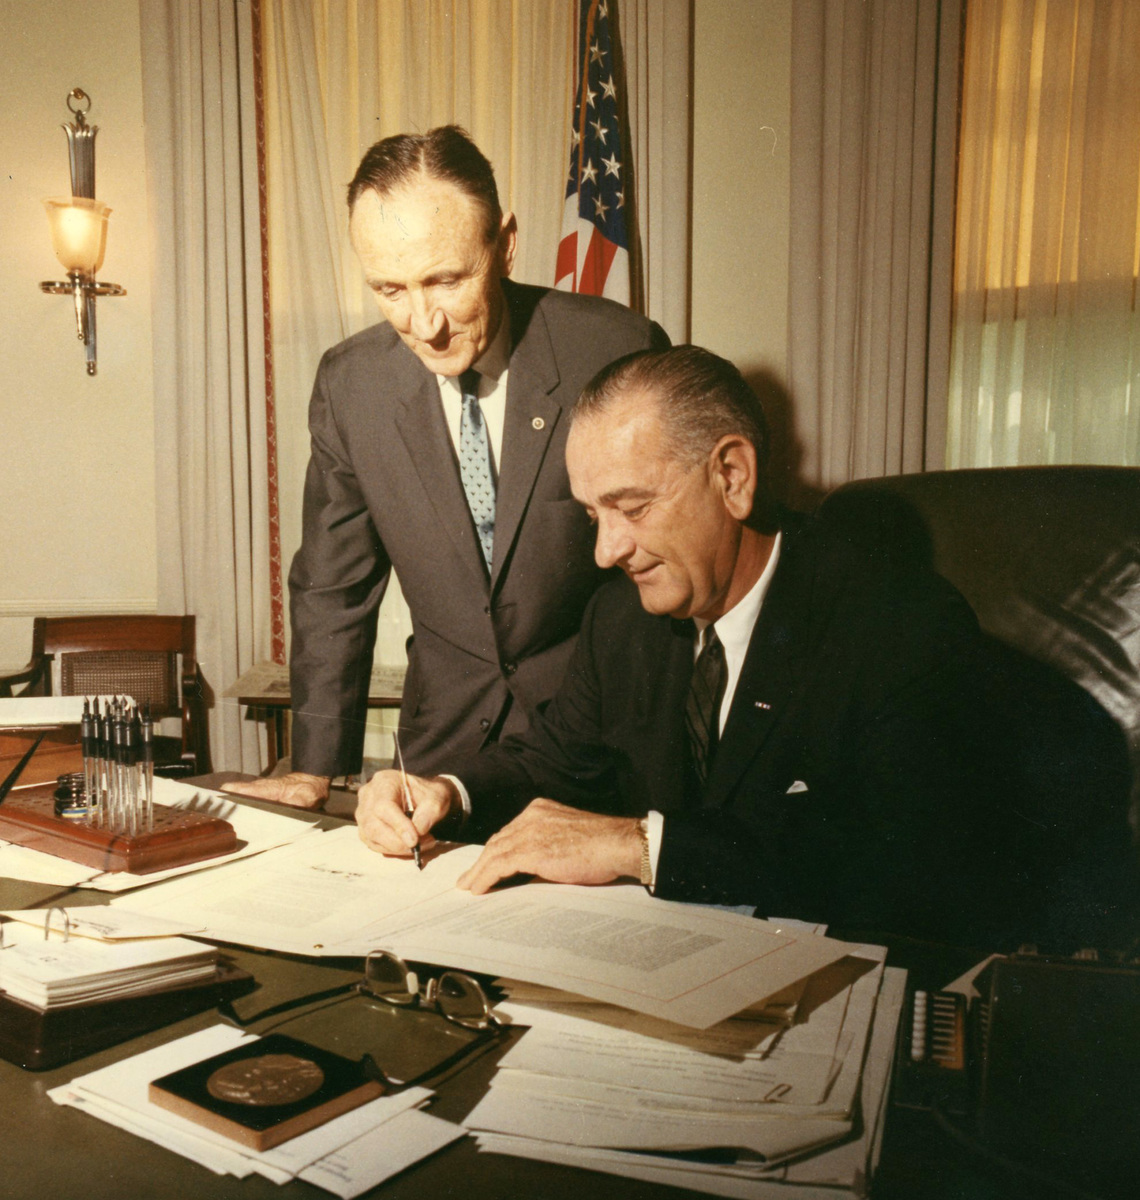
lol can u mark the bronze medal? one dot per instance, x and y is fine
(266, 1080)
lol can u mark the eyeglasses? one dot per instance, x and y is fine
(454, 995)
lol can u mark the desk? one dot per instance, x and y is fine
(63, 1154)
(265, 686)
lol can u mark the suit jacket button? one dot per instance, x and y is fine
(486, 608)
(510, 668)
(484, 724)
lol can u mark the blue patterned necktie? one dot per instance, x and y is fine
(475, 463)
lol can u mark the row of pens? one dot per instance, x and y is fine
(115, 789)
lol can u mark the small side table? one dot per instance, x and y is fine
(265, 686)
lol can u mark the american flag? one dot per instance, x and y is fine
(593, 256)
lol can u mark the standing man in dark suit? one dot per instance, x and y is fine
(438, 447)
(762, 713)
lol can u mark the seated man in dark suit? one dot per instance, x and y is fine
(763, 712)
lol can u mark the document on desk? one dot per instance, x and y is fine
(308, 897)
(682, 962)
(328, 894)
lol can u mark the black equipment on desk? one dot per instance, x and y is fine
(1047, 1061)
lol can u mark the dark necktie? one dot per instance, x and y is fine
(475, 463)
(702, 709)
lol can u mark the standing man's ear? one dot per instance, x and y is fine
(508, 243)
(734, 470)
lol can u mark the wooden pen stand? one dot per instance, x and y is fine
(178, 837)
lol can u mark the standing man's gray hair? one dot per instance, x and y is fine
(446, 153)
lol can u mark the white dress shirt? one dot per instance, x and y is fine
(493, 368)
(734, 629)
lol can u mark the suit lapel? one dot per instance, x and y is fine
(422, 426)
(532, 414)
(773, 671)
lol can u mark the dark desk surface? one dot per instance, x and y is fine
(54, 1153)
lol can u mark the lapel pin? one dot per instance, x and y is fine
(538, 423)
(762, 704)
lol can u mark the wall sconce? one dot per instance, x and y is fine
(79, 227)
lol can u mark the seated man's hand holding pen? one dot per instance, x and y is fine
(547, 839)
(382, 817)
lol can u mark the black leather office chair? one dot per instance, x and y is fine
(1049, 558)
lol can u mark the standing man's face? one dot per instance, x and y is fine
(436, 278)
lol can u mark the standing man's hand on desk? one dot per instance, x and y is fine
(384, 824)
(295, 789)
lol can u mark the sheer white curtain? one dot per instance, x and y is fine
(874, 86)
(1046, 357)
(209, 378)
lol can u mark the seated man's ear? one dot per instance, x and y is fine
(508, 243)
(735, 472)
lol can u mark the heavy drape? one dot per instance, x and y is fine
(874, 88)
(209, 371)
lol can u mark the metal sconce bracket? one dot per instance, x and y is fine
(81, 283)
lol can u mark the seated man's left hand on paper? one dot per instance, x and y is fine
(558, 844)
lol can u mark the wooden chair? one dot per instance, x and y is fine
(125, 655)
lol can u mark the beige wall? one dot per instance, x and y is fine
(741, 103)
(77, 531)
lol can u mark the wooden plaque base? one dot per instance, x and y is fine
(28, 819)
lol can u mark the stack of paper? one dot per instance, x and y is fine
(57, 973)
(346, 1156)
(749, 1106)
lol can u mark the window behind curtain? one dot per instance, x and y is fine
(1046, 341)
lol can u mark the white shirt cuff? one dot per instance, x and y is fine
(464, 795)
(656, 827)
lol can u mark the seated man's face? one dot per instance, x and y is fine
(435, 276)
(665, 524)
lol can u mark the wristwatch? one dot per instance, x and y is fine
(646, 875)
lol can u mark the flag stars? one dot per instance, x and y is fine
(613, 167)
(589, 172)
(575, 136)
(600, 131)
(596, 53)
(600, 209)
(609, 89)
(590, 97)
